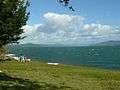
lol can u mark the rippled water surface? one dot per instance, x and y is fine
(98, 56)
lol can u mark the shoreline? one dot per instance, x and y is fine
(89, 66)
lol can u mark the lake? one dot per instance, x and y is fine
(94, 56)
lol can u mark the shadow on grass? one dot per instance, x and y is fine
(12, 83)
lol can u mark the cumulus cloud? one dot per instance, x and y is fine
(68, 29)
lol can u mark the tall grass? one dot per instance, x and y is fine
(41, 76)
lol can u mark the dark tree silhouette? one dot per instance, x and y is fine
(13, 16)
(66, 3)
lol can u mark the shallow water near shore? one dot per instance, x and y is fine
(94, 56)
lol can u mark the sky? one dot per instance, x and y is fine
(93, 21)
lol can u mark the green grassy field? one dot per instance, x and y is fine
(40, 76)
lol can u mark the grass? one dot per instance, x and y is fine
(40, 76)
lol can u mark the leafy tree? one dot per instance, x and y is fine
(13, 15)
(66, 3)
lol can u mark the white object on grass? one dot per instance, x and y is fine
(53, 63)
(0, 71)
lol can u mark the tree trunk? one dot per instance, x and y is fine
(2, 53)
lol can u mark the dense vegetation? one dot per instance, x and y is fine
(13, 16)
(40, 76)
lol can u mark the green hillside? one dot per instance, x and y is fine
(41, 76)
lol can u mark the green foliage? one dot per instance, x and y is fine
(65, 2)
(13, 16)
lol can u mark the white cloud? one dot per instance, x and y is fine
(67, 29)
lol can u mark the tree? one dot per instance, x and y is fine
(66, 3)
(13, 16)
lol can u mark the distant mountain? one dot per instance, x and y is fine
(108, 43)
(37, 45)
(43, 45)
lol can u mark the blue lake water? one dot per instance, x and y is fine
(94, 56)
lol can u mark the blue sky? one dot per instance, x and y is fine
(96, 20)
(104, 11)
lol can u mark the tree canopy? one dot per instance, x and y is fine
(13, 15)
(66, 3)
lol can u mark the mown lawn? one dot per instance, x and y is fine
(40, 76)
